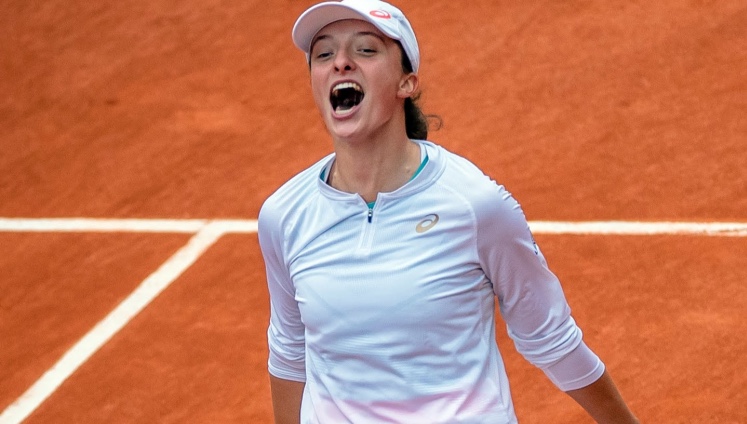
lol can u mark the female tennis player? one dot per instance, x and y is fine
(385, 258)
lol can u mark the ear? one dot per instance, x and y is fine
(408, 86)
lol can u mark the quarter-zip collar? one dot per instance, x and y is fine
(424, 179)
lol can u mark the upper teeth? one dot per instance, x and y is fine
(343, 85)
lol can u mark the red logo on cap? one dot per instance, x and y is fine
(380, 14)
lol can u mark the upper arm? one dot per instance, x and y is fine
(286, 331)
(530, 296)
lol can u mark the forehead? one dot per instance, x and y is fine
(347, 28)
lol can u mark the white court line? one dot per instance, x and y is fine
(247, 226)
(111, 324)
(102, 225)
(110, 225)
(207, 232)
(728, 229)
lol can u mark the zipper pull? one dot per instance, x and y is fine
(370, 215)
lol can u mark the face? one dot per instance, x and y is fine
(357, 80)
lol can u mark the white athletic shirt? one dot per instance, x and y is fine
(388, 314)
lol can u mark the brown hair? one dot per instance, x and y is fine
(416, 122)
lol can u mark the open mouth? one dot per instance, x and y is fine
(345, 96)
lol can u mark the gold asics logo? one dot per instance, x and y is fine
(426, 224)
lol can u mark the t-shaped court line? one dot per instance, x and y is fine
(206, 234)
(148, 290)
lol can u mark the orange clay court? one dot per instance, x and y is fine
(139, 138)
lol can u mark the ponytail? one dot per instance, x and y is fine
(416, 122)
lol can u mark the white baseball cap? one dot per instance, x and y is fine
(387, 18)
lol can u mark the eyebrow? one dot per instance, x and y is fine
(326, 36)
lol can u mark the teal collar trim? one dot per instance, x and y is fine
(420, 168)
(417, 171)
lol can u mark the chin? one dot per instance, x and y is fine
(349, 136)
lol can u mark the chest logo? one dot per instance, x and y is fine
(427, 223)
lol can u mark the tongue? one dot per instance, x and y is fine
(346, 104)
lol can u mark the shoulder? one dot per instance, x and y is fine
(471, 182)
(458, 170)
(291, 195)
(493, 206)
(501, 226)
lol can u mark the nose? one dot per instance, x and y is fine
(343, 62)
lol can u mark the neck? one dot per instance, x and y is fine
(374, 166)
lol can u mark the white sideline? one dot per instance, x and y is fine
(244, 226)
(206, 233)
(190, 226)
(633, 228)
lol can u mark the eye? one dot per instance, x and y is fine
(323, 54)
(366, 50)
